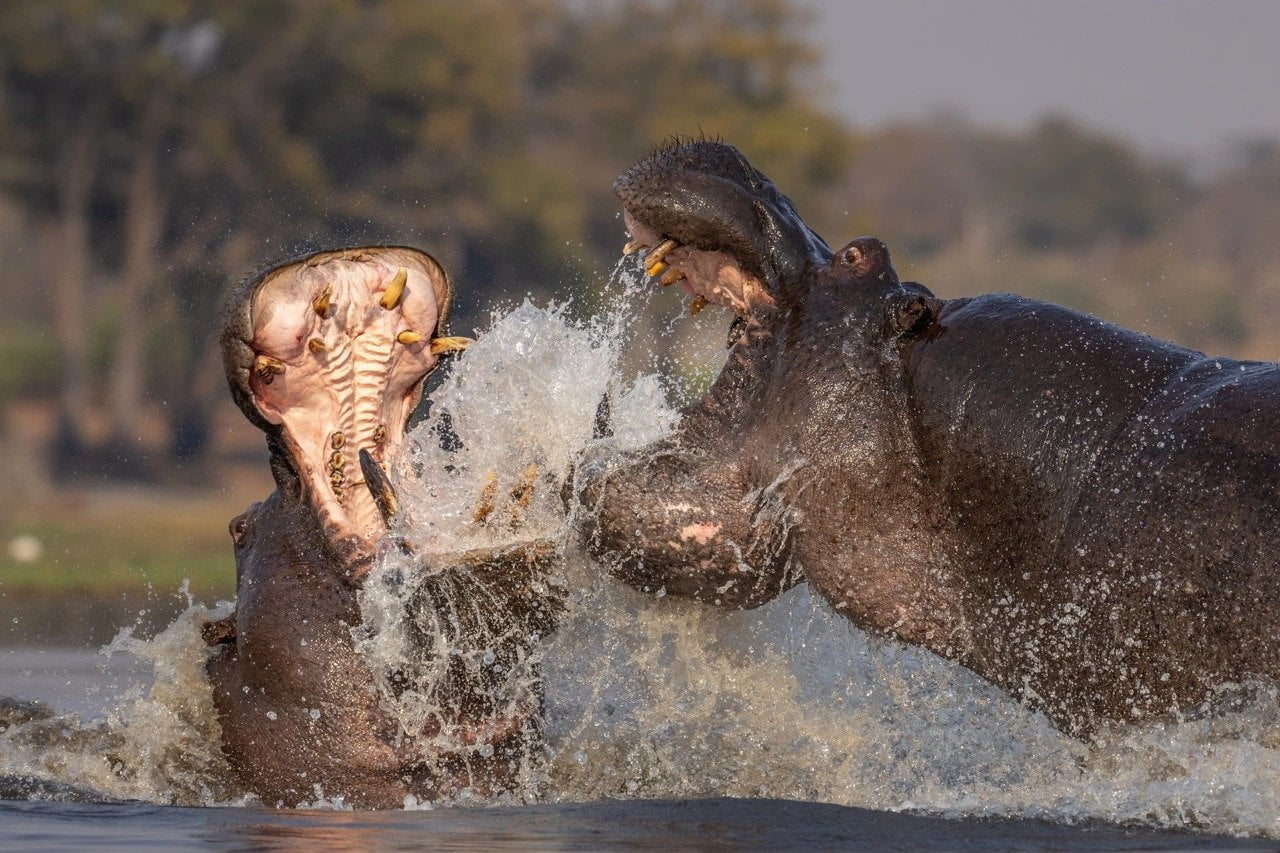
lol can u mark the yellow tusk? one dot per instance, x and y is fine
(266, 367)
(663, 249)
(698, 303)
(321, 305)
(409, 336)
(395, 289)
(671, 277)
(630, 247)
(656, 268)
(454, 344)
(316, 345)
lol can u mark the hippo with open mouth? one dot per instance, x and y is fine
(327, 355)
(1083, 515)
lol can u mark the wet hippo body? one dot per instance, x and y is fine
(327, 355)
(1083, 515)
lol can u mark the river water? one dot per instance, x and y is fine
(657, 707)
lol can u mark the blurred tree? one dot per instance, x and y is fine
(155, 149)
(51, 59)
(1073, 188)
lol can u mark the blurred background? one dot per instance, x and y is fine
(1121, 158)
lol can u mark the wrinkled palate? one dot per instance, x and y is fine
(341, 343)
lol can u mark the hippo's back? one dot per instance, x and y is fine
(1180, 526)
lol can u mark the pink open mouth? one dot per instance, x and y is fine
(710, 278)
(338, 346)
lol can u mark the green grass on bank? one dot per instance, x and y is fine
(130, 547)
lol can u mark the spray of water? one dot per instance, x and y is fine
(654, 697)
(160, 742)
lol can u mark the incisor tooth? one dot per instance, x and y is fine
(395, 289)
(663, 249)
(409, 336)
(671, 277)
(629, 247)
(321, 305)
(316, 345)
(656, 268)
(698, 303)
(454, 344)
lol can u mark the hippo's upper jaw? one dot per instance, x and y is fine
(714, 223)
(327, 355)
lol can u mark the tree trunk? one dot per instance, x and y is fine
(71, 264)
(143, 222)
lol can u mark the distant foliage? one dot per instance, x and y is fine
(152, 150)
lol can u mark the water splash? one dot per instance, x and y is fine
(655, 697)
(159, 742)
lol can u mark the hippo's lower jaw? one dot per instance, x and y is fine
(328, 355)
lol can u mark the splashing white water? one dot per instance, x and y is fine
(663, 698)
(161, 740)
(655, 697)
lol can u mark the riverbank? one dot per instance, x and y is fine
(122, 540)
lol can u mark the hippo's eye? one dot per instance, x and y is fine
(239, 528)
(851, 255)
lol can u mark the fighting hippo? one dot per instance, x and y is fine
(1081, 514)
(327, 355)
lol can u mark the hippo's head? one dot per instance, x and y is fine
(860, 291)
(711, 221)
(327, 355)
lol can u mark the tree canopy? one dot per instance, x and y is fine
(153, 150)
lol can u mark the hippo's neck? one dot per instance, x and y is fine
(1014, 404)
(836, 425)
(735, 396)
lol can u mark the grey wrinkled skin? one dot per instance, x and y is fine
(1081, 514)
(298, 706)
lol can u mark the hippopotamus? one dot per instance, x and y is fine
(1083, 515)
(327, 355)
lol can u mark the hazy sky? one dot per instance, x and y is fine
(1176, 76)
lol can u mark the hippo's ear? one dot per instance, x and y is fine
(912, 310)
